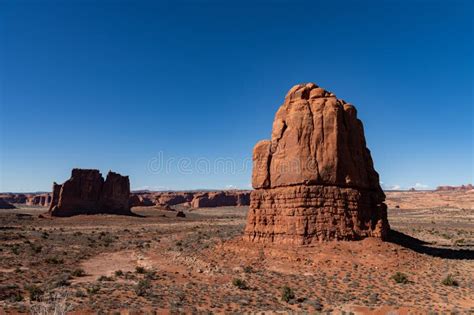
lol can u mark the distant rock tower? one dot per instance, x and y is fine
(86, 192)
(315, 180)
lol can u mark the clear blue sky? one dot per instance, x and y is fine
(113, 85)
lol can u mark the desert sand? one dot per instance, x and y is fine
(159, 263)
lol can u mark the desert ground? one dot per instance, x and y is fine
(159, 263)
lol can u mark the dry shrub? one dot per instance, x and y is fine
(52, 304)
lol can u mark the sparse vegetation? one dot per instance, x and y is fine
(56, 304)
(459, 242)
(62, 280)
(108, 239)
(287, 294)
(239, 283)
(143, 286)
(140, 269)
(16, 297)
(80, 294)
(150, 274)
(16, 249)
(105, 278)
(94, 289)
(79, 272)
(54, 260)
(399, 277)
(34, 292)
(248, 269)
(450, 281)
(183, 282)
(36, 248)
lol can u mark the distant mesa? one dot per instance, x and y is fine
(29, 199)
(140, 201)
(220, 199)
(86, 192)
(14, 198)
(164, 200)
(455, 188)
(315, 180)
(191, 199)
(168, 199)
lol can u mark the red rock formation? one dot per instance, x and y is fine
(243, 198)
(115, 193)
(86, 192)
(134, 201)
(42, 200)
(6, 205)
(145, 201)
(141, 200)
(315, 180)
(173, 198)
(30, 199)
(455, 188)
(14, 198)
(187, 198)
(221, 198)
(55, 195)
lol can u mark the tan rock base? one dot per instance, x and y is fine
(305, 214)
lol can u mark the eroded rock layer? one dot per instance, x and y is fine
(303, 214)
(315, 180)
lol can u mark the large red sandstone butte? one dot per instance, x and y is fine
(86, 192)
(315, 179)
